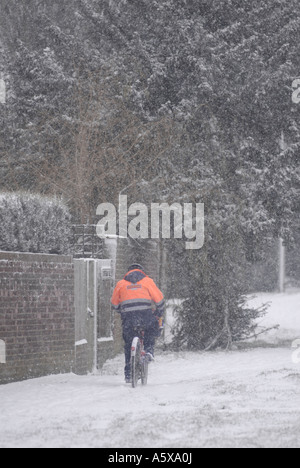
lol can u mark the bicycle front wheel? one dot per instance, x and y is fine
(136, 359)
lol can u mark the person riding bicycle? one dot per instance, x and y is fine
(133, 298)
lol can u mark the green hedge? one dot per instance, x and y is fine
(34, 223)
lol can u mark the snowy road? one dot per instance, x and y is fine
(238, 399)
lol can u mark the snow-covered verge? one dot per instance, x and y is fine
(284, 310)
(247, 398)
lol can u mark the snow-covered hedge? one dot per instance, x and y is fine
(34, 223)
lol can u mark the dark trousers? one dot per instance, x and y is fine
(132, 323)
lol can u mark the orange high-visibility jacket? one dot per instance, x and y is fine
(137, 292)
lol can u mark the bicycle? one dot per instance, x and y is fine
(139, 360)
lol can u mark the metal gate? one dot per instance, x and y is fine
(93, 314)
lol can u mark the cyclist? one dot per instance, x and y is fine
(133, 298)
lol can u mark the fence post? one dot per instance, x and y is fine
(282, 266)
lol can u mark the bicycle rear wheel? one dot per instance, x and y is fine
(136, 359)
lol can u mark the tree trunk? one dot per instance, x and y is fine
(227, 326)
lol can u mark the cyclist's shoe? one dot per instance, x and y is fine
(128, 380)
(149, 357)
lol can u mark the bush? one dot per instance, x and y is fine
(34, 223)
(215, 313)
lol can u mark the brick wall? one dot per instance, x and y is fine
(37, 320)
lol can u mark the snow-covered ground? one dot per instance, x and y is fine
(247, 398)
